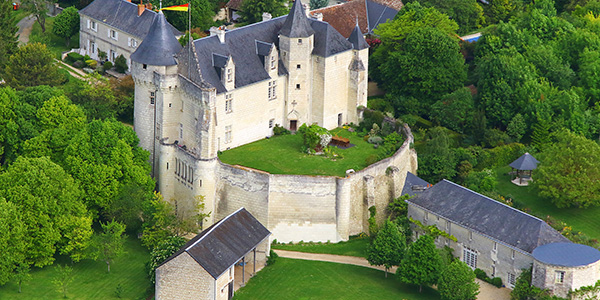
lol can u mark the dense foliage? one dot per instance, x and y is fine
(388, 246)
(32, 65)
(252, 10)
(66, 24)
(8, 30)
(421, 264)
(457, 282)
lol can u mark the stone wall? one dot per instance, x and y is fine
(183, 278)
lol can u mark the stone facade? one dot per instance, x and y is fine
(95, 36)
(494, 257)
(184, 278)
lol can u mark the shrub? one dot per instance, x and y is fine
(272, 258)
(121, 64)
(92, 63)
(480, 274)
(108, 65)
(371, 159)
(79, 64)
(375, 140)
(73, 57)
(496, 281)
(280, 130)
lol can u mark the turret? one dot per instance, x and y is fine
(357, 93)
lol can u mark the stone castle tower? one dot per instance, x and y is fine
(231, 88)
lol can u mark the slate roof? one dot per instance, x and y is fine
(526, 162)
(160, 46)
(241, 45)
(122, 15)
(413, 181)
(296, 23)
(566, 254)
(486, 216)
(368, 13)
(224, 243)
(357, 39)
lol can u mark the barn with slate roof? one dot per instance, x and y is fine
(217, 261)
(116, 27)
(491, 236)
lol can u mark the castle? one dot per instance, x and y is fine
(232, 88)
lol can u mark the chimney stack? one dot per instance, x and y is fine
(141, 8)
(219, 32)
(317, 16)
(266, 16)
(306, 9)
(149, 6)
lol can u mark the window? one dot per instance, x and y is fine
(229, 75)
(133, 43)
(228, 134)
(272, 62)
(152, 98)
(470, 235)
(470, 257)
(92, 47)
(299, 41)
(495, 247)
(113, 55)
(228, 103)
(426, 216)
(94, 26)
(493, 271)
(180, 131)
(272, 90)
(145, 66)
(298, 66)
(157, 133)
(297, 86)
(271, 122)
(560, 276)
(113, 35)
(513, 254)
(512, 279)
(448, 227)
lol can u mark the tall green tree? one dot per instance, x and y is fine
(66, 24)
(12, 240)
(9, 137)
(51, 210)
(32, 65)
(437, 160)
(108, 244)
(457, 282)
(64, 277)
(454, 110)
(421, 264)
(569, 171)
(8, 31)
(252, 10)
(467, 14)
(388, 246)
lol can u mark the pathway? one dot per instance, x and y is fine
(486, 290)
(25, 26)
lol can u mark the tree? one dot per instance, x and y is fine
(501, 10)
(202, 14)
(316, 4)
(32, 65)
(421, 264)
(315, 137)
(437, 160)
(49, 202)
(388, 247)
(162, 251)
(454, 110)
(9, 137)
(66, 24)
(108, 244)
(8, 33)
(12, 241)
(516, 128)
(569, 171)
(38, 9)
(64, 277)
(252, 10)
(98, 99)
(121, 64)
(457, 282)
(467, 14)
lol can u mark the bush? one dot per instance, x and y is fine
(280, 130)
(375, 140)
(92, 63)
(496, 281)
(108, 65)
(73, 57)
(371, 159)
(79, 64)
(121, 64)
(272, 258)
(480, 274)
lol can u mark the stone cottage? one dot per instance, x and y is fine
(217, 261)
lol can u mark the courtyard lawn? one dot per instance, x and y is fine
(354, 247)
(90, 279)
(584, 220)
(303, 279)
(55, 44)
(283, 155)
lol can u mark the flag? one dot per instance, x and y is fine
(183, 7)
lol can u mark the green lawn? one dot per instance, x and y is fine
(91, 281)
(354, 247)
(283, 155)
(55, 43)
(584, 220)
(303, 279)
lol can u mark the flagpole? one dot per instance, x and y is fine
(189, 40)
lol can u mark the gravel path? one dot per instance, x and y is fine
(25, 26)
(486, 290)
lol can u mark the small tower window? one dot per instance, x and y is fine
(229, 75)
(273, 62)
(145, 66)
(299, 41)
(297, 86)
(152, 98)
(560, 276)
(298, 66)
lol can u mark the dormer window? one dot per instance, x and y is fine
(299, 41)
(272, 62)
(229, 75)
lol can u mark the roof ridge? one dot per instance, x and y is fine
(243, 27)
(498, 202)
(213, 228)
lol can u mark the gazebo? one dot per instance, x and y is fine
(524, 165)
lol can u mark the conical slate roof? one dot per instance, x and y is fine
(296, 23)
(357, 39)
(159, 46)
(525, 163)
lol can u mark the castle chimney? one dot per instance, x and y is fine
(266, 16)
(141, 8)
(317, 16)
(149, 6)
(218, 31)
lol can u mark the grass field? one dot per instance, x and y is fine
(584, 220)
(91, 281)
(283, 155)
(55, 43)
(353, 247)
(303, 279)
